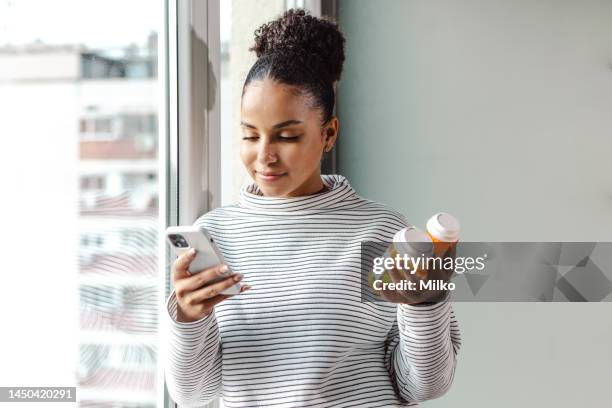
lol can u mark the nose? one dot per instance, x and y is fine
(266, 153)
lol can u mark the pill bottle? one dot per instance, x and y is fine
(444, 230)
(414, 243)
(409, 243)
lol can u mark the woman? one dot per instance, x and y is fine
(300, 334)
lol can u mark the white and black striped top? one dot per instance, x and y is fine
(302, 337)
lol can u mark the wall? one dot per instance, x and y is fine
(498, 112)
(245, 16)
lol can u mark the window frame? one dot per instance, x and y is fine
(189, 129)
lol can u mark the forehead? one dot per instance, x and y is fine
(267, 100)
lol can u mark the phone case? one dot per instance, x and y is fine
(208, 254)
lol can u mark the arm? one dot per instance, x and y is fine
(192, 365)
(421, 350)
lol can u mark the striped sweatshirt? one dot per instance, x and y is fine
(302, 336)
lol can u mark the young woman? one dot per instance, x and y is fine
(299, 334)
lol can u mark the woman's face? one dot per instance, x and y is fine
(282, 139)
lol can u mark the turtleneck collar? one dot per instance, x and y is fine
(339, 192)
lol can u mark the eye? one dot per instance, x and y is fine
(289, 138)
(250, 137)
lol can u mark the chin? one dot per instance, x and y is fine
(278, 191)
(273, 191)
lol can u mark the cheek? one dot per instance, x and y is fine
(315, 151)
(247, 154)
(304, 157)
(296, 156)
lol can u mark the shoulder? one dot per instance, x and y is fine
(383, 213)
(215, 216)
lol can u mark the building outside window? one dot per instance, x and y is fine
(99, 89)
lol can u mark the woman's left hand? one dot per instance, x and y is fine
(439, 276)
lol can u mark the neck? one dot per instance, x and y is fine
(314, 185)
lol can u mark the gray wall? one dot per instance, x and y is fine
(499, 112)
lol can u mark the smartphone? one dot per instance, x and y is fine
(183, 238)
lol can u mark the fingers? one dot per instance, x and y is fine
(409, 296)
(181, 265)
(197, 293)
(393, 295)
(210, 303)
(204, 277)
(395, 275)
(203, 299)
(417, 293)
(214, 289)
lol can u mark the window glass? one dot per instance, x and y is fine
(79, 82)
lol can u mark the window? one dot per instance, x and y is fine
(92, 183)
(85, 149)
(95, 92)
(137, 124)
(97, 128)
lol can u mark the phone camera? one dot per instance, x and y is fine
(178, 241)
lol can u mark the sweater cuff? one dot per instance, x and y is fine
(444, 298)
(199, 325)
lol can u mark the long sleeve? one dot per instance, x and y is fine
(192, 367)
(421, 350)
(302, 335)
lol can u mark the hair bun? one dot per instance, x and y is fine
(307, 38)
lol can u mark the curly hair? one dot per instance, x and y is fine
(302, 51)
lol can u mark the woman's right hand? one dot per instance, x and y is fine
(195, 296)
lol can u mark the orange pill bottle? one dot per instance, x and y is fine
(444, 230)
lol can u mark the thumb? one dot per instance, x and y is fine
(181, 264)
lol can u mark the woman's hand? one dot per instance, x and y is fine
(419, 295)
(195, 294)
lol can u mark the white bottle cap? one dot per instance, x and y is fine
(413, 242)
(444, 227)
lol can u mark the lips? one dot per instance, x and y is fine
(269, 176)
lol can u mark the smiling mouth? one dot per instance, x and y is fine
(269, 176)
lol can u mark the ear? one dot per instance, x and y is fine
(331, 133)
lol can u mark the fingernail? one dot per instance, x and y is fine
(224, 268)
(238, 277)
(192, 251)
(245, 287)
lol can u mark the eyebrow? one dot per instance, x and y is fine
(277, 126)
